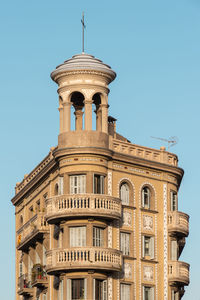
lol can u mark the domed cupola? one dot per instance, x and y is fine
(82, 82)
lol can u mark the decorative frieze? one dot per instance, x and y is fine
(148, 273)
(147, 223)
(127, 219)
(127, 270)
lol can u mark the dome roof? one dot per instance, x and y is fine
(83, 62)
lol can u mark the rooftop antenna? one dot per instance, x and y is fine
(83, 28)
(172, 141)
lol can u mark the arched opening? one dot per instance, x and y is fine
(97, 109)
(56, 190)
(77, 100)
(124, 193)
(21, 220)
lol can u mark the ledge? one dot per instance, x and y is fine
(178, 223)
(178, 273)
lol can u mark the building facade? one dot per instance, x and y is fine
(98, 218)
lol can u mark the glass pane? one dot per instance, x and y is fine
(78, 289)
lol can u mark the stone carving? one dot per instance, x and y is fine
(110, 288)
(147, 222)
(109, 236)
(127, 270)
(110, 183)
(148, 273)
(127, 219)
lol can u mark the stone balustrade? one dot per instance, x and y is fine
(31, 230)
(160, 156)
(178, 272)
(178, 222)
(65, 206)
(83, 258)
(24, 285)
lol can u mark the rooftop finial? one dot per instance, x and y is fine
(83, 27)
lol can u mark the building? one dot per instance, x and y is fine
(98, 217)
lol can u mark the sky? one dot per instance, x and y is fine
(154, 47)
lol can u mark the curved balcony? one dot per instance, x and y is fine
(82, 205)
(31, 231)
(178, 223)
(178, 273)
(83, 258)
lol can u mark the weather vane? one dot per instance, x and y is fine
(83, 28)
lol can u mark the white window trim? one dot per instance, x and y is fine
(105, 289)
(125, 291)
(125, 243)
(78, 184)
(124, 193)
(77, 236)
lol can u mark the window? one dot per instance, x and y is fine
(37, 258)
(100, 289)
(146, 197)
(174, 201)
(98, 184)
(148, 293)
(44, 297)
(38, 206)
(148, 247)
(98, 236)
(60, 291)
(175, 295)
(125, 243)
(125, 291)
(124, 193)
(78, 236)
(78, 184)
(174, 250)
(76, 289)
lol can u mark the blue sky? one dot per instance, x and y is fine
(154, 46)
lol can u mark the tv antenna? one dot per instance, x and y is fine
(171, 141)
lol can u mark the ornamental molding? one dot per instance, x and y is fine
(127, 270)
(165, 241)
(148, 273)
(147, 222)
(110, 183)
(110, 281)
(127, 218)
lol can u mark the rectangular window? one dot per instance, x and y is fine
(78, 236)
(125, 290)
(78, 184)
(98, 236)
(98, 184)
(148, 247)
(76, 289)
(174, 250)
(148, 293)
(60, 291)
(174, 201)
(100, 289)
(125, 243)
(38, 206)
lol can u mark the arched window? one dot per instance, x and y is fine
(146, 197)
(124, 193)
(21, 220)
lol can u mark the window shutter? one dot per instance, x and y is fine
(61, 290)
(143, 246)
(44, 255)
(69, 289)
(176, 296)
(176, 199)
(142, 197)
(152, 293)
(101, 184)
(143, 290)
(71, 184)
(83, 234)
(85, 288)
(94, 286)
(152, 247)
(105, 290)
(60, 186)
(71, 236)
(171, 196)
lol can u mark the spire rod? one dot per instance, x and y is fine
(83, 27)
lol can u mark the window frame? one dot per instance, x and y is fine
(104, 288)
(98, 241)
(69, 287)
(101, 188)
(76, 237)
(147, 194)
(151, 254)
(123, 247)
(173, 201)
(150, 290)
(124, 292)
(125, 199)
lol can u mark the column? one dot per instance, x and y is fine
(104, 108)
(98, 118)
(66, 116)
(61, 118)
(88, 114)
(78, 118)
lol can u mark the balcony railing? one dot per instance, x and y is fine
(83, 258)
(178, 223)
(39, 276)
(31, 231)
(24, 285)
(95, 205)
(178, 272)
